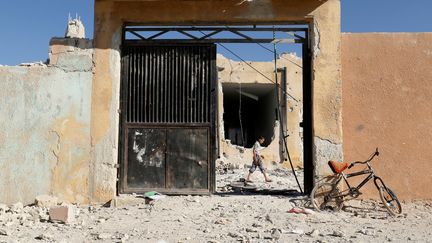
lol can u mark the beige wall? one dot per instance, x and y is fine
(387, 104)
(323, 17)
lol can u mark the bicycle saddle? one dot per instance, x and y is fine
(337, 167)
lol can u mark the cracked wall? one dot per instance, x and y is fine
(322, 16)
(233, 72)
(45, 118)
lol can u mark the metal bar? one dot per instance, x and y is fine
(241, 34)
(138, 98)
(251, 29)
(209, 35)
(157, 35)
(291, 33)
(187, 34)
(146, 84)
(176, 87)
(210, 41)
(182, 82)
(137, 35)
(152, 70)
(158, 84)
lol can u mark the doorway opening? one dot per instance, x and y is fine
(249, 112)
(274, 101)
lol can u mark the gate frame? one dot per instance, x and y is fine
(211, 127)
(308, 166)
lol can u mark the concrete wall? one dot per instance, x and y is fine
(45, 120)
(232, 72)
(387, 104)
(323, 17)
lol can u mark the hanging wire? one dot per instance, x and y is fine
(240, 115)
(256, 70)
(271, 51)
(280, 113)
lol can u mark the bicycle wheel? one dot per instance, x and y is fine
(390, 201)
(324, 196)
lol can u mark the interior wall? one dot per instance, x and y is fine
(231, 74)
(386, 102)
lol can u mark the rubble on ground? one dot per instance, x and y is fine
(224, 217)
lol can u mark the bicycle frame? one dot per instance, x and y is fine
(353, 190)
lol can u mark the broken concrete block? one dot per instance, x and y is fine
(62, 214)
(3, 208)
(17, 207)
(46, 201)
(125, 200)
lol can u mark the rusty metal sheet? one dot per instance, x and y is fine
(187, 159)
(146, 158)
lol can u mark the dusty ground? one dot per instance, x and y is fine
(224, 217)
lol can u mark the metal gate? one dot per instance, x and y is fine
(168, 97)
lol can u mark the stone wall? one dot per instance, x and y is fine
(387, 104)
(45, 120)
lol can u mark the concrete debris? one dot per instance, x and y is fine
(215, 218)
(62, 214)
(125, 200)
(45, 237)
(104, 236)
(32, 64)
(3, 208)
(17, 207)
(75, 28)
(46, 201)
(5, 232)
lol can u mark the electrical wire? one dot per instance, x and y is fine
(271, 51)
(280, 115)
(258, 71)
(240, 116)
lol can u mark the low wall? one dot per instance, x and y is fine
(387, 104)
(45, 120)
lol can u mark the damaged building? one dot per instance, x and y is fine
(135, 109)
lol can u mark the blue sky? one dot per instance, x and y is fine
(26, 31)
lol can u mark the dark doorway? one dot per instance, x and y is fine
(249, 112)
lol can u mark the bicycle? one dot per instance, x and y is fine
(328, 194)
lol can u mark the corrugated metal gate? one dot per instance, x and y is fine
(168, 97)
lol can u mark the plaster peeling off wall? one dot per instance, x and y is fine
(232, 73)
(45, 120)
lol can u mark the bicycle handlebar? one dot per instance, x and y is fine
(376, 153)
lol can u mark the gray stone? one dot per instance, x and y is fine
(45, 237)
(276, 234)
(3, 208)
(104, 236)
(337, 233)
(5, 232)
(46, 201)
(17, 207)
